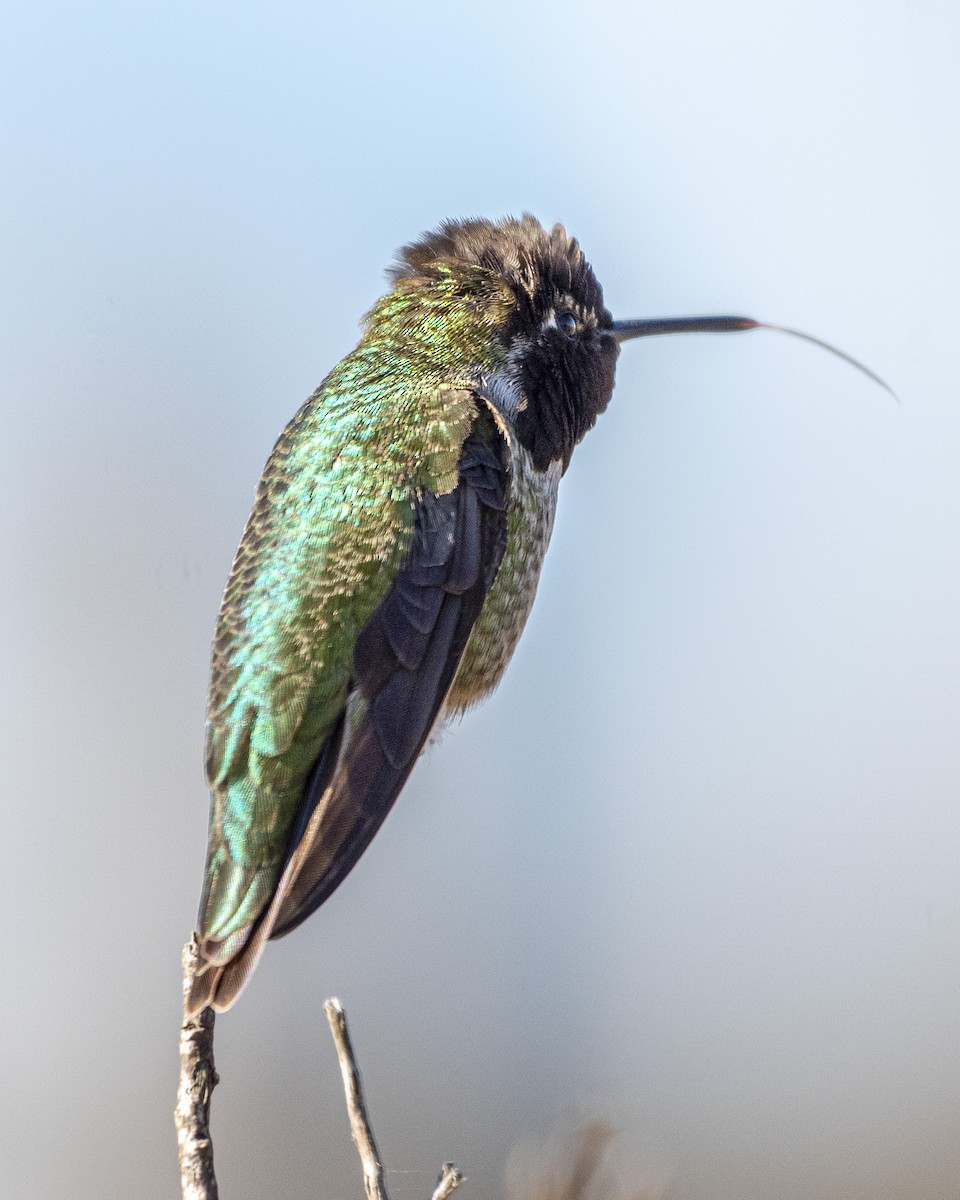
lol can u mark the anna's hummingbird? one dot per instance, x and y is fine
(391, 560)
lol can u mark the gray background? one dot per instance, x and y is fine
(695, 867)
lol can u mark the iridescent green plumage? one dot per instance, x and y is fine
(417, 427)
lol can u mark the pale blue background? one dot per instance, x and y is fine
(697, 866)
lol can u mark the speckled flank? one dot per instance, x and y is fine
(530, 514)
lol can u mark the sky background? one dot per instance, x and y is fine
(696, 866)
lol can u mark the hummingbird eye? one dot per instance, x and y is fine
(567, 322)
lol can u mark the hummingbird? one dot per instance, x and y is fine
(391, 560)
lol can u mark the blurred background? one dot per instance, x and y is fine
(694, 869)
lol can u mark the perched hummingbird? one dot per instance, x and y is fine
(391, 560)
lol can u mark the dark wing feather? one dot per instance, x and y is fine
(405, 660)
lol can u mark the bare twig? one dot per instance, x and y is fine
(356, 1108)
(450, 1178)
(363, 1139)
(198, 1078)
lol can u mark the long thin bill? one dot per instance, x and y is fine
(654, 326)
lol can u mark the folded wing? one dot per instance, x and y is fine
(405, 660)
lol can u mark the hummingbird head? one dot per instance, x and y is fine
(521, 308)
(542, 303)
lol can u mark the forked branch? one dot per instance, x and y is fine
(198, 1078)
(373, 1181)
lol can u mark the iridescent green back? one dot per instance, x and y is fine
(329, 529)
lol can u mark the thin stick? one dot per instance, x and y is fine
(450, 1177)
(198, 1078)
(356, 1108)
(363, 1139)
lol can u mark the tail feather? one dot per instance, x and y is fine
(228, 964)
(221, 976)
